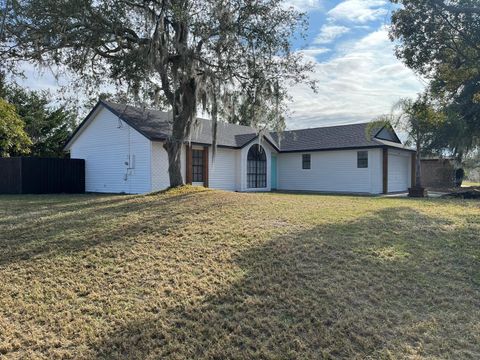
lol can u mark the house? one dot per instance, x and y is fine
(123, 151)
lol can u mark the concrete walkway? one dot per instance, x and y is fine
(431, 194)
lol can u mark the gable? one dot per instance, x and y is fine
(103, 128)
(387, 134)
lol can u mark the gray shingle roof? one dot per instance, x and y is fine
(329, 138)
(156, 125)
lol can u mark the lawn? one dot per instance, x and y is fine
(200, 274)
(470, 183)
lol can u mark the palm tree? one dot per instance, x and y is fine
(419, 120)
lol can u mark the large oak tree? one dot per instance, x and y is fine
(233, 57)
(440, 39)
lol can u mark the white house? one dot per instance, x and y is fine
(123, 151)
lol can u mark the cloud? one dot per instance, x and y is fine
(328, 33)
(359, 11)
(312, 52)
(361, 81)
(303, 5)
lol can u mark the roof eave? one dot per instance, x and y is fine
(66, 147)
(266, 139)
(347, 148)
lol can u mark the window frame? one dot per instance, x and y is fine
(306, 161)
(256, 168)
(362, 159)
(197, 166)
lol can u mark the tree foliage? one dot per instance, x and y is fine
(13, 138)
(231, 57)
(440, 39)
(48, 126)
(419, 120)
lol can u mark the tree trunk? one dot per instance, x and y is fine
(184, 110)
(174, 151)
(418, 170)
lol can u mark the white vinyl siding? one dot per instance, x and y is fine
(331, 171)
(222, 169)
(399, 170)
(106, 144)
(160, 178)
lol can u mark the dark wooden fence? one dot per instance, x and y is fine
(24, 175)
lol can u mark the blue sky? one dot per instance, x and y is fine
(357, 73)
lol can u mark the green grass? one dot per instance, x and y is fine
(470, 183)
(199, 274)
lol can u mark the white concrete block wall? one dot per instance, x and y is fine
(106, 144)
(331, 171)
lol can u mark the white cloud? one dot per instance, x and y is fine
(312, 52)
(328, 33)
(303, 5)
(360, 82)
(360, 11)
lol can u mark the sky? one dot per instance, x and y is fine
(357, 73)
(358, 76)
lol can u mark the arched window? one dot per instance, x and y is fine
(256, 167)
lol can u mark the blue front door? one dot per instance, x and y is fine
(274, 172)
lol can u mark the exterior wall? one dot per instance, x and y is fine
(399, 170)
(242, 159)
(106, 147)
(331, 171)
(159, 165)
(222, 169)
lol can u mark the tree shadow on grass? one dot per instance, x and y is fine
(371, 288)
(61, 229)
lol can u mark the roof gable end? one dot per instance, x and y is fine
(387, 133)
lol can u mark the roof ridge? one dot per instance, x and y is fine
(228, 123)
(168, 111)
(325, 127)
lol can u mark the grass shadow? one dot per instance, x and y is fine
(62, 225)
(370, 288)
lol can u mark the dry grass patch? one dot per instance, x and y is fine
(198, 274)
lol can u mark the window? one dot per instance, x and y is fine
(256, 167)
(197, 165)
(306, 161)
(362, 159)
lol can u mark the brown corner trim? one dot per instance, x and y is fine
(414, 170)
(205, 166)
(188, 164)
